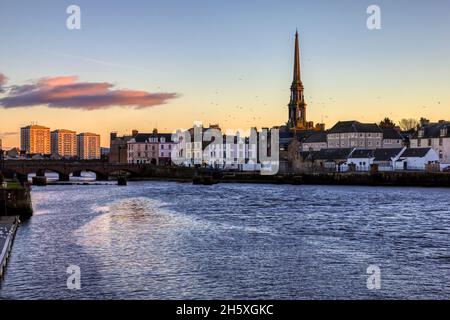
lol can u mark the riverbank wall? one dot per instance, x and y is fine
(406, 179)
(16, 201)
(8, 228)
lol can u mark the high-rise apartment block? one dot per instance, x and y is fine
(88, 146)
(64, 143)
(35, 139)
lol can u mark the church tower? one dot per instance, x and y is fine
(297, 105)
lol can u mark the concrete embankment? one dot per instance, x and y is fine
(8, 228)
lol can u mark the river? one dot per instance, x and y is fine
(166, 240)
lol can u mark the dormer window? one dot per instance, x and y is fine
(444, 132)
(421, 133)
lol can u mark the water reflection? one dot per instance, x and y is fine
(166, 240)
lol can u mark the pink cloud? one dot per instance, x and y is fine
(68, 92)
(3, 80)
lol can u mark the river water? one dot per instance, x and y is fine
(164, 240)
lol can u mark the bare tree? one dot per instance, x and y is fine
(293, 150)
(408, 124)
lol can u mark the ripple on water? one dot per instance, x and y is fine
(166, 240)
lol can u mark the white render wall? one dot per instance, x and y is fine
(444, 149)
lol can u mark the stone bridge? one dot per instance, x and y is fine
(102, 169)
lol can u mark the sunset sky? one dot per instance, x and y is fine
(142, 64)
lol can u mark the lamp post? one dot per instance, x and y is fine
(2, 181)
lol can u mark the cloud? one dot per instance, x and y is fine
(68, 93)
(3, 80)
(8, 134)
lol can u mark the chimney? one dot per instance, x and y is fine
(424, 122)
(134, 133)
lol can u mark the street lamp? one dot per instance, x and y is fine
(3, 182)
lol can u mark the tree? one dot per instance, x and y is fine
(293, 150)
(408, 124)
(387, 123)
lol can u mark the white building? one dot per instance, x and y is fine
(229, 152)
(361, 159)
(417, 159)
(436, 136)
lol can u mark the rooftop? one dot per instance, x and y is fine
(333, 154)
(433, 130)
(354, 126)
(386, 154)
(415, 152)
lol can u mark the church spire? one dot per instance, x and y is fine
(297, 78)
(297, 105)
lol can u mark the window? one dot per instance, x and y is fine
(441, 142)
(421, 133)
(419, 142)
(429, 142)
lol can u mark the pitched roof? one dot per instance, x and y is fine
(317, 137)
(142, 137)
(391, 133)
(363, 153)
(415, 152)
(386, 154)
(433, 130)
(334, 154)
(167, 136)
(354, 126)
